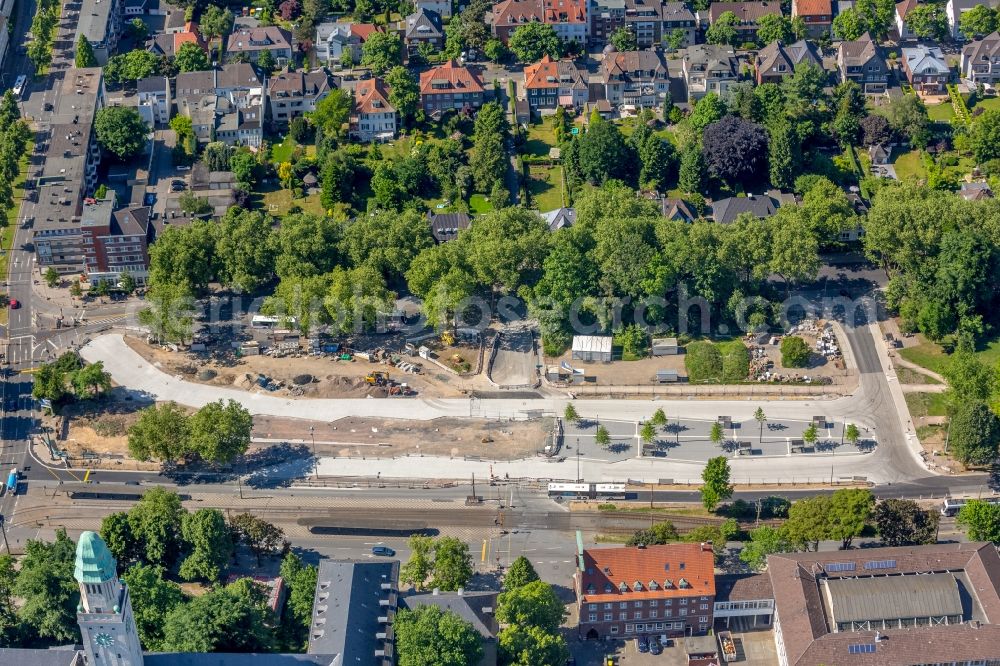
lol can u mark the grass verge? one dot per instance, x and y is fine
(926, 404)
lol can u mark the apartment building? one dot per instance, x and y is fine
(981, 61)
(291, 94)
(708, 68)
(635, 79)
(549, 84)
(450, 86)
(567, 17)
(100, 21)
(373, 118)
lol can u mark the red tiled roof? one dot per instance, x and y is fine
(746, 12)
(364, 30)
(545, 73)
(457, 76)
(903, 8)
(181, 38)
(371, 97)
(693, 562)
(519, 12)
(813, 8)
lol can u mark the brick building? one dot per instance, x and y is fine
(632, 591)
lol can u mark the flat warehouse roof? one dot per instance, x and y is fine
(893, 597)
(592, 343)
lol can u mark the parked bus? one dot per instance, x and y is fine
(19, 86)
(951, 506)
(609, 491)
(263, 321)
(12, 481)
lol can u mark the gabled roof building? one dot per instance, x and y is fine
(553, 83)
(981, 61)
(450, 86)
(567, 17)
(776, 60)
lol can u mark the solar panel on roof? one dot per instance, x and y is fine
(839, 566)
(861, 648)
(881, 564)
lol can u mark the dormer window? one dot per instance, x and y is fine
(683, 584)
(668, 584)
(607, 588)
(622, 587)
(591, 589)
(653, 585)
(637, 586)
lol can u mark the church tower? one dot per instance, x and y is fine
(105, 611)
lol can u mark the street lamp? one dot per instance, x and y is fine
(312, 435)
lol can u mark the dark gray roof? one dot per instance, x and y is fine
(445, 226)
(893, 597)
(237, 659)
(725, 211)
(423, 24)
(347, 608)
(476, 608)
(153, 84)
(61, 656)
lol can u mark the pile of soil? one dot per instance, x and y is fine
(302, 379)
(207, 375)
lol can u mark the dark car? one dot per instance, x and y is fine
(383, 551)
(655, 647)
(642, 644)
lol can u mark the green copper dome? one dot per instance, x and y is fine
(94, 562)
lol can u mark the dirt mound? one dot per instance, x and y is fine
(244, 381)
(207, 375)
(302, 379)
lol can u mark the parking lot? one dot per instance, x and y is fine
(691, 439)
(754, 648)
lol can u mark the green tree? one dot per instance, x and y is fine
(153, 598)
(381, 52)
(495, 50)
(903, 523)
(723, 30)
(657, 535)
(138, 29)
(215, 21)
(709, 109)
(532, 646)
(985, 132)
(169, 315)
(570, 415)
(716, 487)
(132, 66)
(519, 573)
(404, 93)
(52, 277)
(852, 434)
(452, 564)
(126, 282)
(246, 249)
(244, 165)
(795, 249)
(332, 112)
(260, 536)
(192, 58)
(45, 583)
(764, 541)
(603, 437)
(981, 521)
(357, 299)
(155, 522)
(418, 568)
(233, 618)
(717, 434)
(659, 418)
(117, 534)
(489, 158)
(9, 626)
(120, 131)
(974, 433)
(301, 579)
(91, 380)
(692, 171)
(301, 300)
(848, 25)
(266, 61)
(760, 417)
(783, 157)
(648, 433)
(810, 435)
(220, 431)
(795, 352)
(928, 21)
(529, 42)
(386, 241)
(808, 522)
(429, 636)
(850, 509)
(773, 28)
(908, 116)
(85, 53)
(207, 535)
(623, 39)
(307, 245)
(979, 21)
(161, 432)
(534, 604)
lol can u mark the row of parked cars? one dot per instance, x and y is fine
(653, 644)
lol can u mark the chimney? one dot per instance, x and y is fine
(706, 546)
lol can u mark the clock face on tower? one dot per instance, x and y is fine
(105, 640)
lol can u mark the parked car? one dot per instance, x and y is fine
(642, 644)
(655, 647)
(383, 551)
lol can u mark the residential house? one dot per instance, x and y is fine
(169, 43)
(154, 100)
(567, 17)
(761, 206)
(69, 170)
(560, 218)
(929, 604)
(476, 608)
(977, 191)
(224, 104)
(423, 27)
(442, 7)
(816, 14)
(676, 209)
(634, 591)
(861, 61)
(635, 79)
(749, 598)
(250, 42)
(678, 16)
(373, 118)
(926, 69)
(902, 10)
(955, 8)
(445, 226)
(708, 68)
(879, 154)
(114, 241)
(643, 18)
(748, 14)
(450, 86)
(332, 39)
(549, 84)
(353, 611)
(776, 60)
(981, 61)
(291, 94)
(134, 8)
(100, 21)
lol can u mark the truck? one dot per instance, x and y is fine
(12, 481)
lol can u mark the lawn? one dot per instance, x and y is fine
(479, 204)
(988, 103)
(927, 354)
(909, 165)
(282, 152)
(545, 186)
(279, 202)
(942, 113)
(926, 404)
(541, 137)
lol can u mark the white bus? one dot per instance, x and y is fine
(19, 86)
(951, 505)
(263, 321)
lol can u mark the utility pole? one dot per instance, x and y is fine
(578, 460)
(3, 528)
(312, 435)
